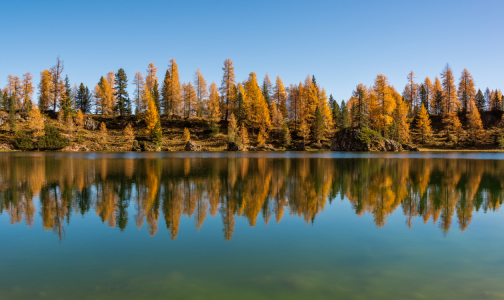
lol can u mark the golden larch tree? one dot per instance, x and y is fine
(259, 111)
(129, 135)
(187, 135)
(27, 91)
(450, 100)
(466, 91)
(172, 91)
(474, 123)
(79, 119)
(151, 77)
(104, 96)
(436, 105)
(57, 85)
(200, 86)
(280, 96)
(151, 115)
(190, 100)
(385, 103)
(401, 119)
(45, 88)
(36, 122)
(424, 124)
(212, 104)
(227, 88)
(139, 83)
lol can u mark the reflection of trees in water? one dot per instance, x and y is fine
(438, 190)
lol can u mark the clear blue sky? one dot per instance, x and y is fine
(342, 42)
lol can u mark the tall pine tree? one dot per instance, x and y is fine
(123, 105)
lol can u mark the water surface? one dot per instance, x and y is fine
(251, 225)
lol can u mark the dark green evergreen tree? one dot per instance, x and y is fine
(123, 105)
(4, 101)
(66, 104)
(344, 116)
(157, 134)
(239, 113)
(318, 126)
(12, 112)
(156, 97)
(266, 92)
(335, 110)
(480, 100)
(438, 100)
(286, 137)
(424, 97)
(83, 99)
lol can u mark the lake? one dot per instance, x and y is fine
(320, 225)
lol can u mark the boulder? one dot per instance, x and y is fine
(298, 146)
(75, 148)
(190, 146)
(410, 148)
(90, 124)
(6, 147)
(233, 147)
(266, 147)
(348, 140)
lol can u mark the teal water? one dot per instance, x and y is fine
(251, 225)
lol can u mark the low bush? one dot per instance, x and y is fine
(24, 141)
(367, 135)
(52, 139)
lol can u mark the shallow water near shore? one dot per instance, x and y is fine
(290, 225)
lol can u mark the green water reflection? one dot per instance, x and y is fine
(158, 226)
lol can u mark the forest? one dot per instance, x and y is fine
(164, 113)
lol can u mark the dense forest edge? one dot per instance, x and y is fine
(241, 116)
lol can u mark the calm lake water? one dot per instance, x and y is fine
(251, 226)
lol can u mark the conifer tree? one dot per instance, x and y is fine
(104, 95)
(401, 120)
(480, 101)
(27, 91)
(187, 135)
(295, 103)
(243, 137)
(280, 96)
(151, 115)
(103, 134)
(466, 92)
(227, 88)
(45, 88)
(57, 86)
(66, 104)
(36, 122)
(12, 112)
(474, 123)
(345, 116)
(139, 83)
(286, 136)
(266, 89)
(495, 102)
(232, 129)
(79, 119)
(310, 95)
(201, 91)
(155, 95)
(424, 124)
(428, 93)
(242, 105)
(4, 100)
(69, 124)
(304, 131)
(385, 103)
(123, 106)
(335, 108)
(318, 126)
(262, 137)
(157, 134)
(129, 134)
(212, 107)
(189, 99)
(437, 98)
(259, 112)
(452, 123)
(411, 91)
(172, 92)
(450, 101)
(359, 114)
(151, 77)
(488, 98)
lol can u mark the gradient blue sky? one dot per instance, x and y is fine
(343, 43)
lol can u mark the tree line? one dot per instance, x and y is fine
(264, 108)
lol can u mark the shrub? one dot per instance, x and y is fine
(24, 141)
(52, 139)
(367, 135)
